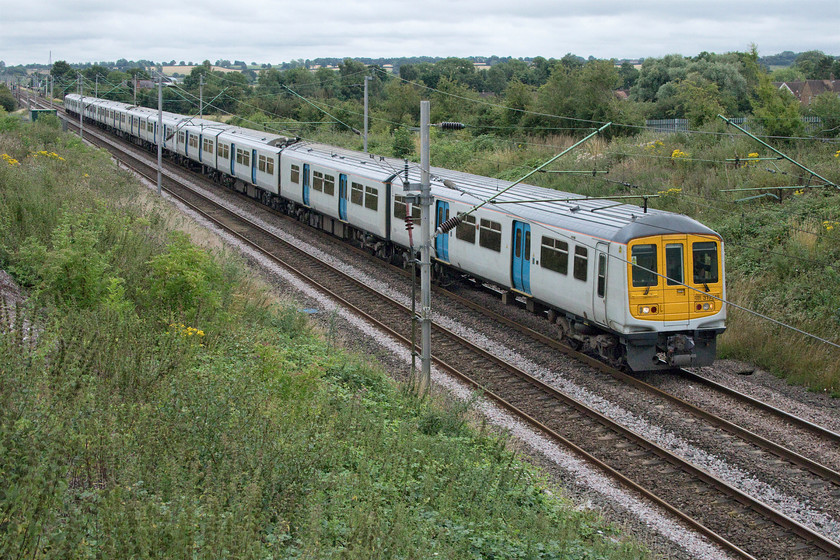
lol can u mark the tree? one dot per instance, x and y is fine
(777, 111)
(655, 73)
(352, 73)
(789, 74)
(628, 75)
(699, 100)
(7, 100)
(61, 70)
(826, 106)
(403, 145)
(816, 65)
(402, 102)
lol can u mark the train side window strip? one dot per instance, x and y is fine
(465, 231)
(294, 175)
(371, 198)
(554, 255)
(317, 181)
(581, 260)
(602, 275)
(357, 194)
(399, 207)
(490, 235)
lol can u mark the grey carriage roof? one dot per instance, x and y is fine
(605, 219)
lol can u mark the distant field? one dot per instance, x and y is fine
(184, 70)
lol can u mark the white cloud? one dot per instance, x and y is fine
(276, 31)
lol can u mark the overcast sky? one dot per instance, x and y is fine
(281, 30)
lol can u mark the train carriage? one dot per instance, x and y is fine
(640, 287)
(346, 187)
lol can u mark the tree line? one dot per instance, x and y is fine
(541, 96)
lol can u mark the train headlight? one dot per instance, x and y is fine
(707, 306)
(647, 309)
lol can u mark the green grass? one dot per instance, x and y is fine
(165, 405)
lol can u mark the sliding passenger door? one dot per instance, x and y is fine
(342, 197)
(306, 184)
(521, 258)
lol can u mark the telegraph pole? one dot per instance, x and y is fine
(160, 133)
(201, 96)
(425, 253)
(81, 109)
(135, 90)
(367, 79)
(96, 91)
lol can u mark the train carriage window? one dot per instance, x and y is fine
(357, 194)
(294, 175)
(465, 231)
(329, 185)
(705, 262)
(371, 199)
(581, 259)
(554, 255)
(490, 235)
(643, 258)
(193, 141)
(266, 164)
(181, 137)
(243, 157)
(317, 181)
(674, 264)
(208, 145)
(224, 151)
(400, 207)
(602, 275)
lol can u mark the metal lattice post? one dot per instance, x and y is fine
(367, 79)
(160, 134)
(425, 253)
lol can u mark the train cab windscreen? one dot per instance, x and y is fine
(705, 262)
(643, 258)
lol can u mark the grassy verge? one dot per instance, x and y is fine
(166, 406)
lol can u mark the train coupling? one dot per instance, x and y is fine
(680, 350)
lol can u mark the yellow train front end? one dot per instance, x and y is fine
(676, 286)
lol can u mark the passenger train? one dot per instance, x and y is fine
(642, 288)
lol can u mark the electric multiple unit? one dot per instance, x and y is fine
(642, 288)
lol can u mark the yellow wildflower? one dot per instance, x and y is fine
(677, 154)
(829, 225)
(10, 160)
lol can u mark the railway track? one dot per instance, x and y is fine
(728, 516)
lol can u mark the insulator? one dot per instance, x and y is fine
(409, 223)
(449, 224)
(452, 125)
